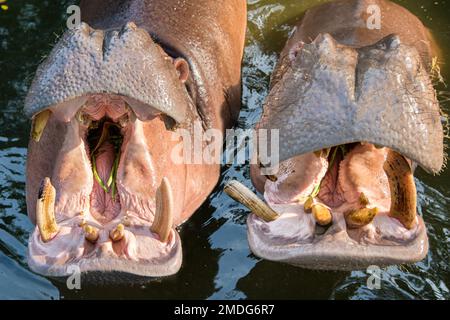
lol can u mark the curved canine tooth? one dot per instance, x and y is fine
(359, 218)
(91, 233)
(117, 233)
(243, 195)
(39, 123)
(163, 222)
(45, 211)
(322, 215)
(403, 189)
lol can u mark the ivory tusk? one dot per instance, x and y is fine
(243, 195)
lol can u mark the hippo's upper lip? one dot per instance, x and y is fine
(333, 95)
(89, 61)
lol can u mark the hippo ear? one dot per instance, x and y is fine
(182, 68)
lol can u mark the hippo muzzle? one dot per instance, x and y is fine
(353, 123)
(101, 186)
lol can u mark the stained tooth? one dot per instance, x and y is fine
(45, 211)
(363, 200)
(243, 195)
(163, 221)
(308, 205)
(403, 189)
(359, 218)
(118, 233)
(91, 233)
(322, 215)
(39, 123)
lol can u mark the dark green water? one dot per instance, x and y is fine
(217, 260)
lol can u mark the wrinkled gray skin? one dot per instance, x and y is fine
(337, 82)
(380, 94)
(99, 56)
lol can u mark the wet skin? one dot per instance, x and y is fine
(111, 94)
(357, 113)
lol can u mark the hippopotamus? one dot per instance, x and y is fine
(356, 112)
(102, 186)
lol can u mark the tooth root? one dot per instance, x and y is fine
(39, 123)
(91, 233)
(118, 233)
(359, 218)
(243, 195)
(45, 211)
(403, 189)
(322, 215)
(163, 222)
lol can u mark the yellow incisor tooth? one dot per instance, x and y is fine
(322, 215)
(403, 189)
(363, 200)
(117, 233)
(39, 123)
(163, 222)
(91, 233)
(45, 211)
(359, 218)
(242, 194)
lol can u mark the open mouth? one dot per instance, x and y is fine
(346, 207)
(89, 213)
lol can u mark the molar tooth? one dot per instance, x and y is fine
(322, 215)
(117, 233)
(243, 195)
(163, 222)
(91, 233)
(39, 123)
(359, 218)
(45, 211)
(83, 119)
(403, 189)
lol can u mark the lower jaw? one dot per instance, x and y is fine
(165, 260)
(335, 250)
(297, 239)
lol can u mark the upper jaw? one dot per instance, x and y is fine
(87, 61)
(334, 95)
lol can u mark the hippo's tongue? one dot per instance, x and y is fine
(105, 204)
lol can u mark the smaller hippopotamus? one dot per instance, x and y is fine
(356, 112)
(103, 186)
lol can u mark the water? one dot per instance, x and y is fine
(217, 260)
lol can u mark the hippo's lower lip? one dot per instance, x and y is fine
(372, 207)
(106, 226)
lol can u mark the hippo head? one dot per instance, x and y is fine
(353, 124)
(101, 184)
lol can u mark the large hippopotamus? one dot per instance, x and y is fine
(102, 185)
(356, 112)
